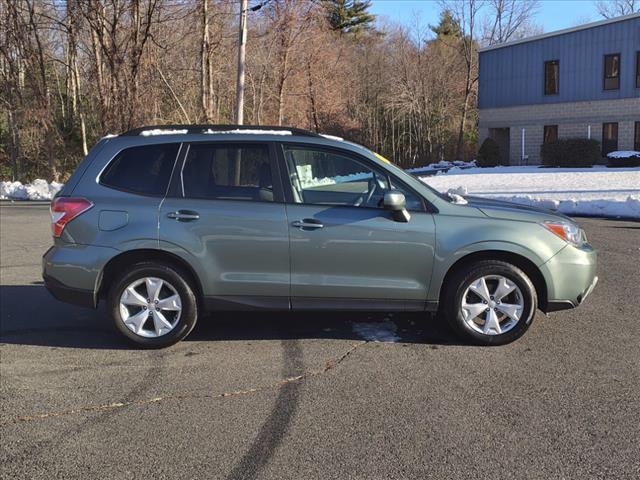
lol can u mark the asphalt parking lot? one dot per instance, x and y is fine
(300, 396)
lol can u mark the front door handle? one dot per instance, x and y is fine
(184, 215)
(310, 223)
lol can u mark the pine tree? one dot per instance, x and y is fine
(447, 27)
(349, 16)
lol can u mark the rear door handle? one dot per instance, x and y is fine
(310, 223)
(184, 215)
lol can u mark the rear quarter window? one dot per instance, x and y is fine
(145, 169)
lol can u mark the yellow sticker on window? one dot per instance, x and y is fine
(381, 157)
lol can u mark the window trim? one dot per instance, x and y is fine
(135, 192)
(175, 188)
(617, 137)
(638, 69)
(427, 207)
(604, 71)
(636, 136)
(544, 80)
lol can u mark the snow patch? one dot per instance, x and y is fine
(456, 197)
(443, 165)
(332, 137)
(307, 180)
(376, 331)
(248, 132)
(596, 191)
(37, 190)
(623, 154)
(159, 131)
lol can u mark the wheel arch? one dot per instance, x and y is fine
(129, 257)
(520, 261)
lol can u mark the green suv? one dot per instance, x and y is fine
(165, 223)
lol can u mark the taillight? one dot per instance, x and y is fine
(65, 209)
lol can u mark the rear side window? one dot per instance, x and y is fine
(228, 172)
(145, 169)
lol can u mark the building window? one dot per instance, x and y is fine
(638, 70)
(612, 72)
(552, 77)
(636, 143)
(609, 138)
(550, 133)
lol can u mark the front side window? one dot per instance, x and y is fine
(550, 133)
(228, 172)
(145, 169)
(609, 138)
(323, 177)
(552, 77)
(612, 72)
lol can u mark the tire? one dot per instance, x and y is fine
(496, 322)
(177, 317)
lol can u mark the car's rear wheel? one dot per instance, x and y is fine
(153, 305)
(490, 302)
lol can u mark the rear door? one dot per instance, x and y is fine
(224, 213)
(346, 250)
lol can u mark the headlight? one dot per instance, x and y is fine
(567, 231)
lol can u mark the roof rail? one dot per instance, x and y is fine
(201, 128)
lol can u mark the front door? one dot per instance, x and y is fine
(224, 213)
(346, 250)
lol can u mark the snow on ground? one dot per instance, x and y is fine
(376, 331)
(442, 165)
(37, 190)
(598, 191)
(623, 154)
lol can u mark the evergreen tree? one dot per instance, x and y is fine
(448, 27)
(349, 16)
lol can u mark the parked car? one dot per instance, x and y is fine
(166, 223)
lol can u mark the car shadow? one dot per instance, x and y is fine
(29, 315)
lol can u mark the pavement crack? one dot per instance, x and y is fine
(331, 364)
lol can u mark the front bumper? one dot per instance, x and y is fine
(570, 276)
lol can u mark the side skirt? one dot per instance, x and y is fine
(248, 303)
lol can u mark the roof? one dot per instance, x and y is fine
(586, 26)
(177, 129)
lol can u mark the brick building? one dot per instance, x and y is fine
(580, 82)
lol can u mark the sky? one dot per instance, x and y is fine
(552, 14)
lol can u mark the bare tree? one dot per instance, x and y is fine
(509, 20)
(72, 71)
(466, 13)
(617, 8)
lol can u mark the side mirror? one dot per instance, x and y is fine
(397, 204)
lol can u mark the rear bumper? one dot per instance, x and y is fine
(571, 277)
(72, 272)
(64, 293)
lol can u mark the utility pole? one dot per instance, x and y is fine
(242, 45)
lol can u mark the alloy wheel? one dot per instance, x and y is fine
(492, 305)
(150, 307)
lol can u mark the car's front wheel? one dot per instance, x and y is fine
(153, 305)
(490, 302)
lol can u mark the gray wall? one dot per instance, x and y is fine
(514, 75)
(573, 120)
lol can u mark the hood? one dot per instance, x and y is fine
(512, 211)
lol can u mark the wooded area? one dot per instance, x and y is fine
(72, 71)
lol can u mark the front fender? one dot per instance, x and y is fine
(458, 237)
